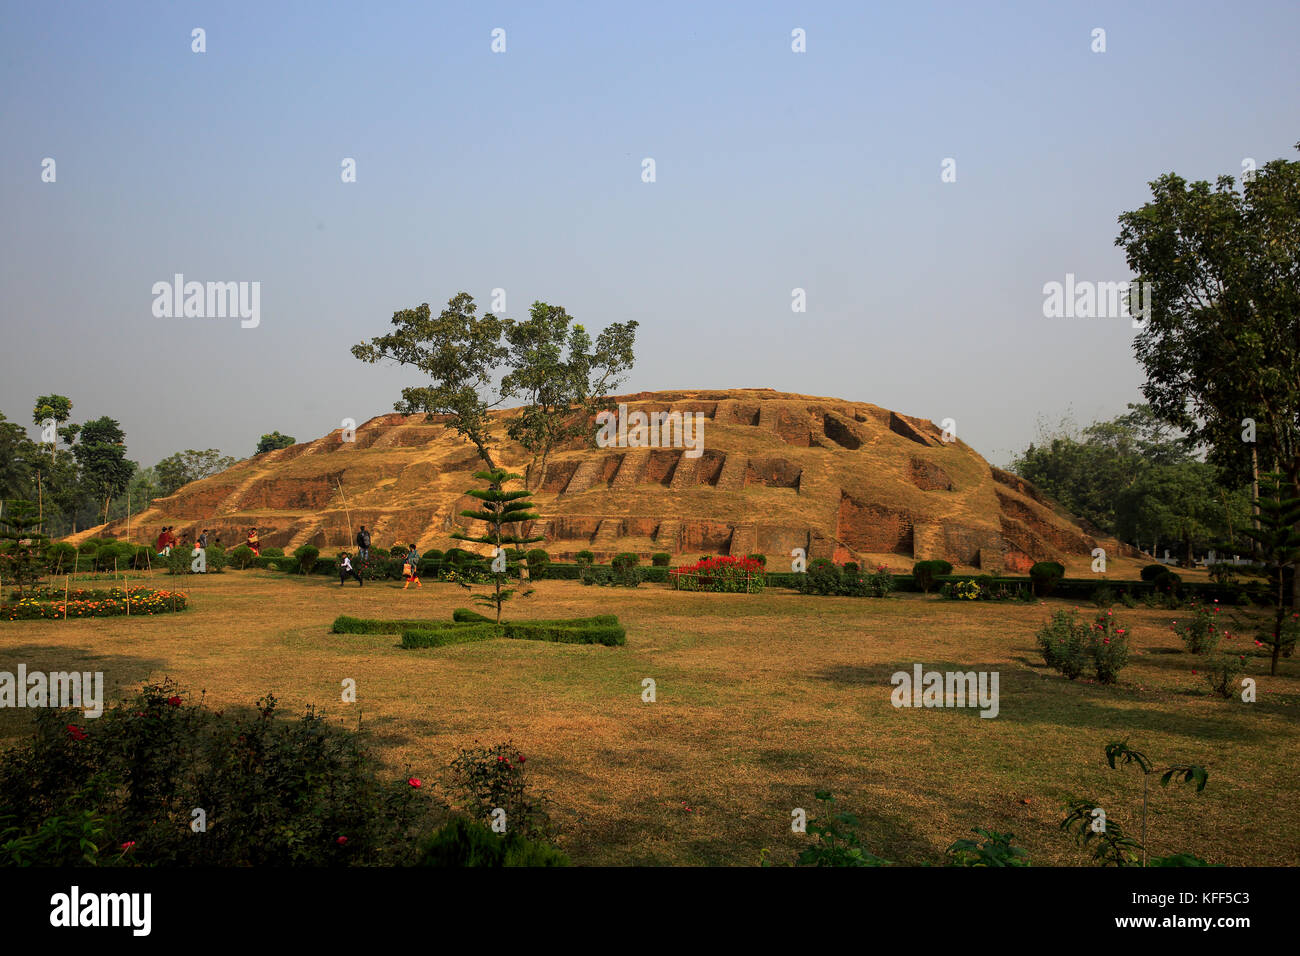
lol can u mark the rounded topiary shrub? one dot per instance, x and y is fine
(822, 577)
(60, 557)
(660, 559)
(1045, 574)
(273, 552)
(538, 560)
(1153, 571)
(1168, 581)
(625, 560)
(585, 558)
(306, 555)
(397, 551)
(115, 555)
(924, 573)
(240, 557)
(851, 566)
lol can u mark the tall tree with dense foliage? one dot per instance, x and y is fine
(101, 453)
(555, 370)
(561, 377)
(272, 442)
(1222, 342)
(1136, 478)
(458, 350)
(56, 408)
(17, 454)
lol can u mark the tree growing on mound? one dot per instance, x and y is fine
(22, 547)
(500, 508)
(460, 351)
(271, 442)
(180, 469)
(562, 392)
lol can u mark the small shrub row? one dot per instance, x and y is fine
(826, 577)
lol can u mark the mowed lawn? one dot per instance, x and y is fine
(761, 699)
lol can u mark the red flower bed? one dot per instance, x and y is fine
(724, 573)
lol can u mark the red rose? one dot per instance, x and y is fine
(174, 701)
(342, 840)
(414, 781)
(76, 732)
(127, 846)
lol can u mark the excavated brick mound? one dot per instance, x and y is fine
(771, 472)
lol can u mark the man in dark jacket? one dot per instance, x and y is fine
(363, 544)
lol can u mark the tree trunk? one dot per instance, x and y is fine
(1254, 487)
(1295, 576)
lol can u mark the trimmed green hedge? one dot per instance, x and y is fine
(467, 626)
(449, 633)
(359, 625)
(567, 632)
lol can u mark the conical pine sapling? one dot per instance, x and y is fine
(500, 508)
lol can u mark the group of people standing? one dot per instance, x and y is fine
(410, 563)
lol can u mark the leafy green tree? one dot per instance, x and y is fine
(272, 442)
(1174, 502)
(69, 495)
(1136, 477)
(101, 453)
(181, 468)
(1222, 342)
(1279, 545)
(17, 455)
(22, 546)
(555, 369)
(500, 508)
(561, 378)
(459, 351)
(56, 407)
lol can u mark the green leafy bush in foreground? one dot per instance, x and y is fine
(1072, 646)
(121, 790)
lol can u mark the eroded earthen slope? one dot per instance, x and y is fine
(776, 472)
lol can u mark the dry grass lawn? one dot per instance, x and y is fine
(761, 700)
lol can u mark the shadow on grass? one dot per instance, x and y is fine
(123, 675)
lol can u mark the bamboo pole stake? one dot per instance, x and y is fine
(346, 511)
(65, 597)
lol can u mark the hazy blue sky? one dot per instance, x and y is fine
(522, 170)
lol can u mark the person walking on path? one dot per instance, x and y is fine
(363, 544)
(411, 569)
(253, 543)
(203, 539)
(345, 568)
